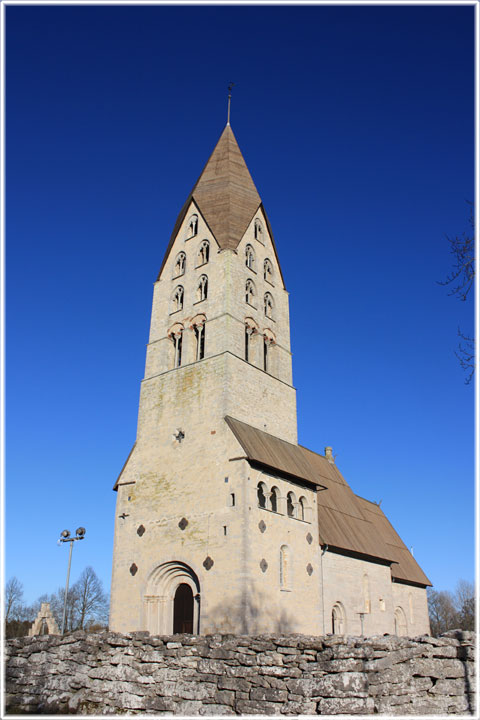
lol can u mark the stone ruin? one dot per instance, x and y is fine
(44, 623)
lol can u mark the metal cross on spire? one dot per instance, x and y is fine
(230, 86)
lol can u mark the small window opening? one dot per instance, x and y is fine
(249, 257)
(232, 499)
(192, 226)
(202, 289)
(258, 231)
(273, 499)
(179, 268)
(267, 271)
(262, 500)
(285, 568)
(265, 354)
(224, 529)
(204, 253)
(248, 332)
(177, 344)
(302, 508)
(249, 292)
(226, 479)
(290, 505)
(178, 299)
(268, 305)
(200, 338)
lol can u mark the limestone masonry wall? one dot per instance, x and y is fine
(110, 673)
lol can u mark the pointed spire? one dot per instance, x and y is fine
(225, 192)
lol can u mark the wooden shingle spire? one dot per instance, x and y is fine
(225, 192)
(225, 195)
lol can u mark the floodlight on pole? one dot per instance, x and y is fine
(65, 537)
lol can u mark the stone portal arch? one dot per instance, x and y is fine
(172, 600)
(339, 624)
(400, 622)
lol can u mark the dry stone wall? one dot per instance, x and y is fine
(110, 673)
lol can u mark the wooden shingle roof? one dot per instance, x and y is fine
(225, 195)
(225, 192)
(405, 567)
(347, 523)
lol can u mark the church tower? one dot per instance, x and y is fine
(223, 522)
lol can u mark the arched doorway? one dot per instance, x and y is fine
(183, 609)
(171, 602)
(400, 622)
(338, 619)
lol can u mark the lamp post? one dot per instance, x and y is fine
(65, 537)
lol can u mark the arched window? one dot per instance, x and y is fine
(274, 493)
(251, 328)
(291, 502)
(192, 227)
(176, 336)
(249, 257)
(366, 593)
(302, 506)
(262, 491)
(202, 289)
(268, 342)
(249, 292)
(268, 305)
(258, 231)
(338, 619)
(400, 622)
(177, 299)
(285, 568)
(199, 330)
(267, 270)
(179, 267)
(203, 253)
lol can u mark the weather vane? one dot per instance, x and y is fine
(230, 86)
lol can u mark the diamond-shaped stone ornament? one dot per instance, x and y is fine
(263, 565)
(140, 530)
(261, 526)
(309, 539)
(183, 523)
(208, 563)
(309, 569)
(133, 569)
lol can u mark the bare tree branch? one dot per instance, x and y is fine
(461, 280)
(466, 355)
(463, 274)
(13, 598)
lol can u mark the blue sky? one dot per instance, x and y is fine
(357, 126)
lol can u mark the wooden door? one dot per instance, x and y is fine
(183, 609)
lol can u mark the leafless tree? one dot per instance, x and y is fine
(91, 601)
(449, 611)
(441, 610)
(465, 604)
(461, 280)
(13, 599)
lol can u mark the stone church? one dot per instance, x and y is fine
(223, 522)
